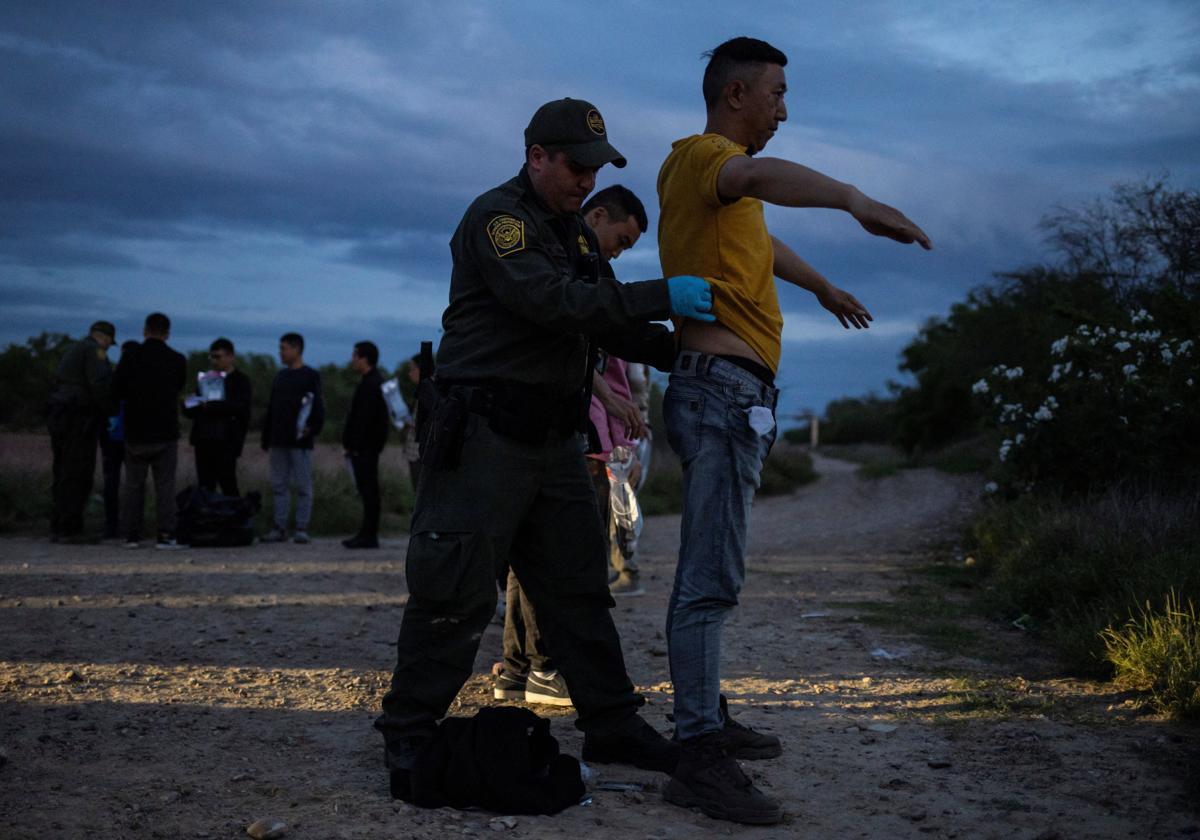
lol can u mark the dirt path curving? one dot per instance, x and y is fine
(186, 694)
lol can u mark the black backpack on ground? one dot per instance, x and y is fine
(208, 519)
(503, 759)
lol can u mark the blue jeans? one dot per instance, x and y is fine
(291, 468)
(707, 412)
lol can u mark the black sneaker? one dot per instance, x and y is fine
(743, 742)
(508, 686)
(637, 743)
(709, 779)
(547, 687)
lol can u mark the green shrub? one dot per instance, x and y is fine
(785, 469)
(663, 490)
(1105, 403)
(1079, 566)
(868, 419)
(1159, 652)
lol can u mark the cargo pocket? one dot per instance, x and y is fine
(449, 566)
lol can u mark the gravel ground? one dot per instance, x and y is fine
(188, 694)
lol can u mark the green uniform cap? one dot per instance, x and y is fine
(576, 127)
(105, 327)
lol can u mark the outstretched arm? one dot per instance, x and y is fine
(791, 267)
(788, 184)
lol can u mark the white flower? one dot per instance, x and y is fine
(1095, 376)
(1014, 373)
(1189, 382)
(1083, 329)
(991, 487)
(1019, 439)
(1167, 355)
(999, 399)
(1141, 315)
(1043, 413)
(1058, 347)
(1122, 346)
(980, 387)
(1005, 446)
(1051, 401)
(1124, 419)
(1184, 347)
(1129, 370)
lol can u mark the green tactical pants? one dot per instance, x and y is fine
(74, 437)
(467, 520)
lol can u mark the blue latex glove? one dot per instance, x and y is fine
(691, 297)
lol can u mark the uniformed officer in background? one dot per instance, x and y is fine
(79, 404)
(502, 459)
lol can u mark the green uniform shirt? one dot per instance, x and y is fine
(84, 379)
(520, 308)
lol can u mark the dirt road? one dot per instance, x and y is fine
(186, 694)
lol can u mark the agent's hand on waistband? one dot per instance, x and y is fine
(691, 297)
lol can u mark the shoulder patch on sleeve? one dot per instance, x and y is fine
(507, 234)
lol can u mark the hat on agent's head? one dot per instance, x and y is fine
(105, 327)
(576, 127)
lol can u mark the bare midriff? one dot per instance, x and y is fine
(716, 340)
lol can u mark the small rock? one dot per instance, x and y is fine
(242, 777)
(885, 728)
(73, 676)
(267, 828)
(938, 764)
(169, 797)
(503, 823)
(916, 815)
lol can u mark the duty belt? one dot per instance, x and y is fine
(516, 410)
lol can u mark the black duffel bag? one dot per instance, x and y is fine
(206, 518)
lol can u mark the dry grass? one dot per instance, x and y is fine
(25, 478)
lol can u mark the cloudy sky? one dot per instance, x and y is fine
(256, 167)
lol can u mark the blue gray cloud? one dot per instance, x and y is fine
(252, 168)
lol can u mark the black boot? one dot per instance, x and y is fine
(637, 743)
(708, 779)
(743, 742)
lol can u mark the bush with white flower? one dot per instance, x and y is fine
(1113, 402)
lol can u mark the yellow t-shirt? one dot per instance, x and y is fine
(726, 244)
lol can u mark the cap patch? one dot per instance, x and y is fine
(595, 122)
(507, 235)
(583, 245)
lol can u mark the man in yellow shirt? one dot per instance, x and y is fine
(720, 403)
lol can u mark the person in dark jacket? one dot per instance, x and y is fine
(295, 416)
(219, 426)
(363, 438)
(148, 379)
(78, 405)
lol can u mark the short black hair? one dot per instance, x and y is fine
(735, 59)
(223, 344)
(294, 339)
(367, 350)
(621, 203)
(158, 324)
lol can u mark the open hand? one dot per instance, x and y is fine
(846, 307)
(882, 220)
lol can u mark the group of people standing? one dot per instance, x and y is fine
(504, 481)
(131, 412)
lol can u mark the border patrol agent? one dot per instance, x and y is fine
(81, 399)
(502, 458)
